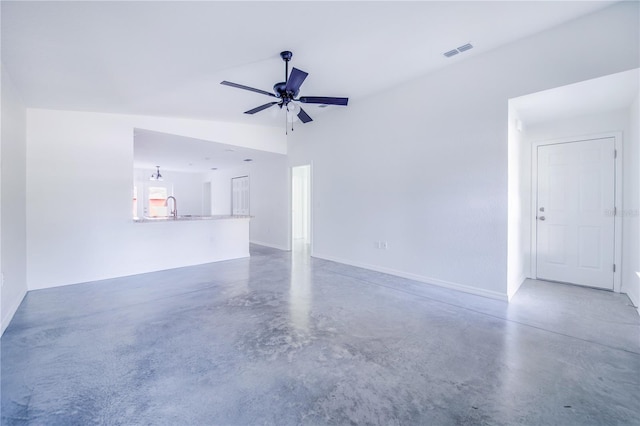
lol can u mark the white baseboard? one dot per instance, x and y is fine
(8, 316)
(275, 246)
(427, 280)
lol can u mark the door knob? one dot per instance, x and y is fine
(542, 218)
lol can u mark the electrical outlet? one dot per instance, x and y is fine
(385, 245)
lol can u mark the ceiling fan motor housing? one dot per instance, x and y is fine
(281, 92)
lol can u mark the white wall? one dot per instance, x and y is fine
(221, 189)
(606, 121)
(519, 204)
(424, 166)
(631, 208)
(269, 198)
(79, 174)
(13, 212)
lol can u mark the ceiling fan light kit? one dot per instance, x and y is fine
(286, 93)
(156, 176)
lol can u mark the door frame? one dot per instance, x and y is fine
(617, 219)
(311, 195)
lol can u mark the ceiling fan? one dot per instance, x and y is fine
(287, 91)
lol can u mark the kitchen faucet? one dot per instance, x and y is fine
(174, 212)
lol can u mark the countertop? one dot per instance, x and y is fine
(187, 218)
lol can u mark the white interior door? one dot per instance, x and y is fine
(575, 202)
(206, 199)
(240, 196)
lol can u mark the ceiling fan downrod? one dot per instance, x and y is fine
(286, 57)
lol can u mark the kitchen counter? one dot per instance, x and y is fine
(187, 240)
(187, 218)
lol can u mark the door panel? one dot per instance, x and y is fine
(556, 236)
(575, 235)
(589, 246)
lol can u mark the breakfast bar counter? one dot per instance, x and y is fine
(167, 242)
(186, 218)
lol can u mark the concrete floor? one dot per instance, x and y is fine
(281, 339)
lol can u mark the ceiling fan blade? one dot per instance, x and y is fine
(260, 108)
(304, 117)
(240, 86)
(323, 100)
(296, 78)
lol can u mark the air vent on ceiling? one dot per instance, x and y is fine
(460, 49)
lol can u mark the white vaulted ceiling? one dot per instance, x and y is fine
(168, 58)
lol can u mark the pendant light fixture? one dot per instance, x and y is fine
(156, 175)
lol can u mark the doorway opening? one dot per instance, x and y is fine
(543, 244)
(301, 209)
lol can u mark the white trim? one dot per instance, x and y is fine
(427, 280)
(617, 220)
(275, 246)
(6, 320)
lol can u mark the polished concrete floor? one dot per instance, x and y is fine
(282, 339)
